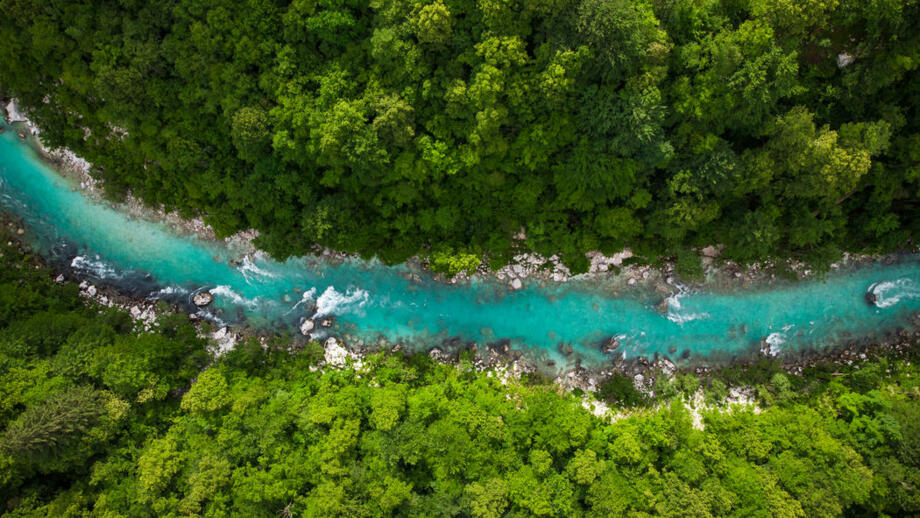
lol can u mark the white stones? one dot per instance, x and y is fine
(202, 298)
(516, 284)
(224, 339)
(334, 354)
(59, 279)
(844, 59)
(13, 114)
(91, 291)
(307, 327)
(135, 312)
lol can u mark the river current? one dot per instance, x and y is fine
(370, 302)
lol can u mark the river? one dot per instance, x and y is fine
(370, 302)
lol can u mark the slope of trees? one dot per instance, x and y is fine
(399, 127)
(100, 419)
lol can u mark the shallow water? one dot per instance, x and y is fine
(371, 302)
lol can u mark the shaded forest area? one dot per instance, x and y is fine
(781, 128)
(101, 418)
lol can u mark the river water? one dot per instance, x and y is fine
(371, 302)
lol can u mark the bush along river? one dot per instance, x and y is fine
(369, 303)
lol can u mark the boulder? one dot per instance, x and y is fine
(91, 291)
(307, 327)
(566, 349)
(610, 345)
(327, 322)
(710, 251)
(516, 284)
(871, 298)
(663, 306)
(202, 298)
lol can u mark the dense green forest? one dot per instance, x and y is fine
(98, 418)
(398, 127)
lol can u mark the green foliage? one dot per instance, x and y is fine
(619, 390)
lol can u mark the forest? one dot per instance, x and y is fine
(441, 128)
(99, 418)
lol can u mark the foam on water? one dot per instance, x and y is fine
(233, 297)
(332, 302)
(892, 292)
(774, 342)
(674, 308)
(95, 267)
(250, 270)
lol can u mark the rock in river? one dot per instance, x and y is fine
(327, 322)
(610, 345)
(307, 327)
(203, 298)
(871, 297)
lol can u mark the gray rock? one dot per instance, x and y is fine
(610, 345)
(202, 298)
(327, 322)
(517, 284)
(307, 327)
(91, 291)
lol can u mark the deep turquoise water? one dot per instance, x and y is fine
(371, 301)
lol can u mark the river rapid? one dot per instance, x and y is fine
(370, 304)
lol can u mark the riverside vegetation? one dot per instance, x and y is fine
(442, 127)
(99, 418)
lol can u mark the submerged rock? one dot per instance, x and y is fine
(307, 326)
(610, 345)
(203, 298)
(871, 298)
(663, 306)
(327, 322)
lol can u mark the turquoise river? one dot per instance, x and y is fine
(371, 302)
